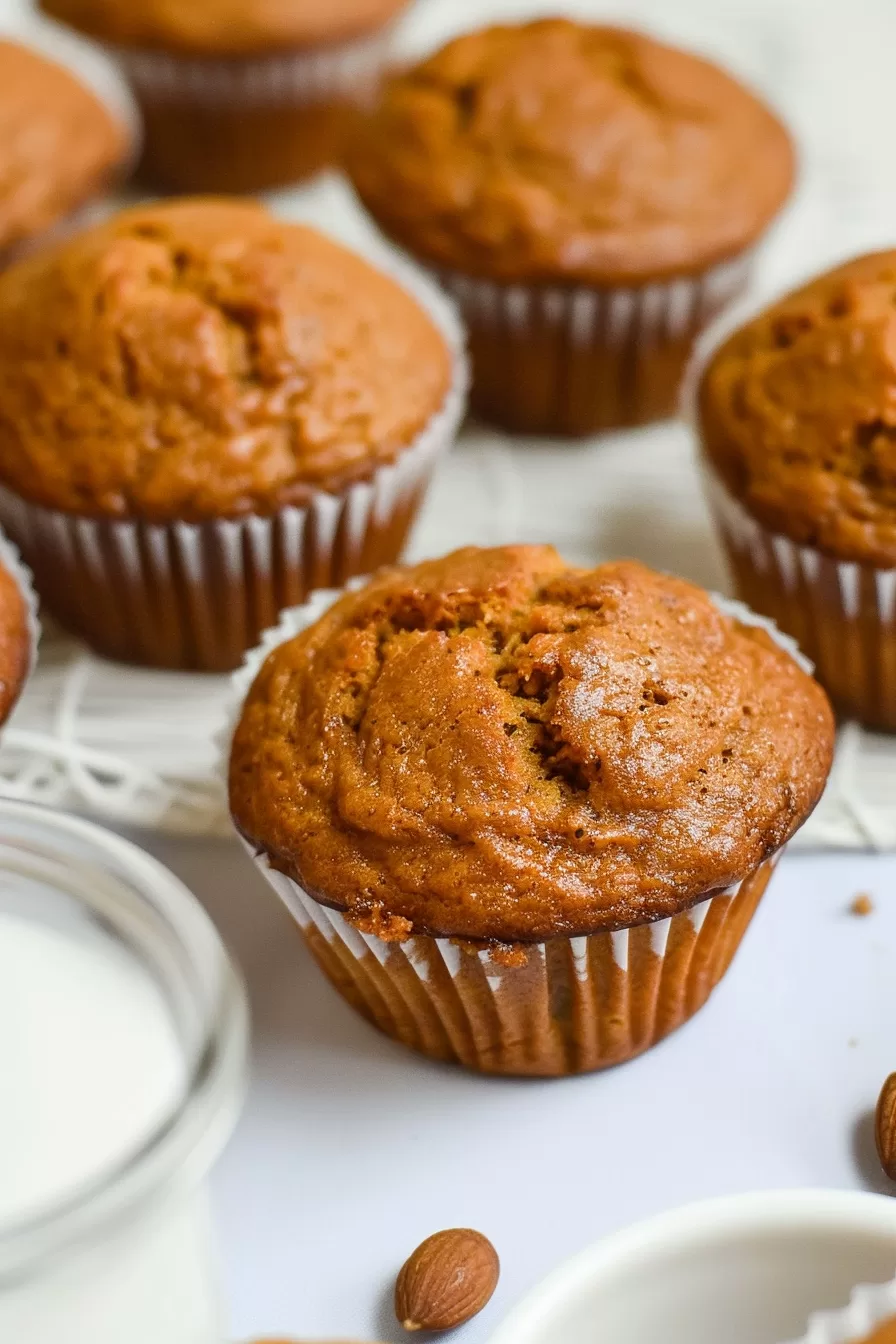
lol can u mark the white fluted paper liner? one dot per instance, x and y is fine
(869, 1307)
(842, 613)
(200, 594)
(343, 70)
(12, 563)
(576, 1005)
(619, 328)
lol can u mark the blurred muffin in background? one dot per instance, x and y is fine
(797, 416)
(206, 412)
(241, 95)
(18, 627)
(590, 196)
(60, 148)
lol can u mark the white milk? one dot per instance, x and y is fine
(89, 1063)
(107, 1132)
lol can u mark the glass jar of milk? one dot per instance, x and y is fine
(122, 1056)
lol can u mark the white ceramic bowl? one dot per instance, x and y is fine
(750, 1269)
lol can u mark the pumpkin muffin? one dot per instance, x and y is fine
(60, 147)
(525, 812)
(18, 628)
(589, 195)
(241, 95)
(204, 413)
(797, 414)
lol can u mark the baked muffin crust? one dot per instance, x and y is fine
(223, 27)
(14, 642)
(203, 359)
(495, 746)
(556, 151)
(59, 144)
(798, 413)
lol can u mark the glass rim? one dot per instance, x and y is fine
(183, 1144)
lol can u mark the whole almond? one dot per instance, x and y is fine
(885, 1127)
(447, 1281)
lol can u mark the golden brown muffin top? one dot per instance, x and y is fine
(203, 359)
(557, 151)
(496, 746)
(223, 27)
(15, 642)
(884, 1334)
(59, 145)
(798, 413)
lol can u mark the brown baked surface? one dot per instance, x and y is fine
(884, 1334)
(223, 27)
(496, 746)
(14, 642)
(203, 359)
(59, 145)
(556, 151)
(798, 413)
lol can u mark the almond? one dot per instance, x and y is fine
(885, 1127)
(447, 1281)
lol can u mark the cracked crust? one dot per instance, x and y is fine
(223, 27)
(203, 360)
(14, 643)
(798, 413)
(59, 145)
(555, 151)
(494, 746)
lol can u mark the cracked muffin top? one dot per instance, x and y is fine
(59, 145)
(223, 27)
(797, 413)
(496, 746)
(203, 359)
(556, 151)
(15, 642)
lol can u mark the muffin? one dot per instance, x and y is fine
(241, 95)
(60, 148)
(18, 628)
(204, 414)
(591, 198)
(523, 812)
(797, 417)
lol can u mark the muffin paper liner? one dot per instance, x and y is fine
(842, 614)
(573, 360)
(198, 595)
(11, 562)
(253, 123)
(347, 69)
(869, 1307)
(577, 1004)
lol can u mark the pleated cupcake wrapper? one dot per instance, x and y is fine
(12, 563)
(842, 614)
(345, 70)
(869, 1307)
(578, 1004)
(598, 341)
(200, 594)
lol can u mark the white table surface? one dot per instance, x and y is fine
(351, 1150)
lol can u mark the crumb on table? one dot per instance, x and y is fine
(862, 904)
